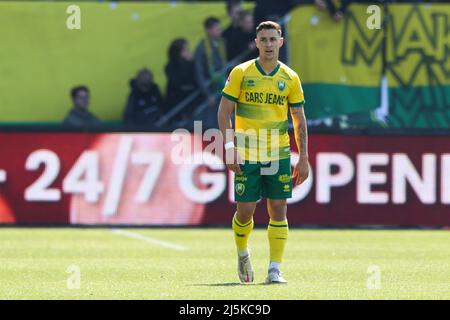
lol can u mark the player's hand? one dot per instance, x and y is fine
(301, 170)
(232, 159)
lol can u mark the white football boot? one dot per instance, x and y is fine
(245, 269)
(274, 276)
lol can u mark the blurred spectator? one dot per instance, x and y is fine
(79, 115)
(180, 72)
(210, 59)
(233, 8)
(244, 39)
(145, 104)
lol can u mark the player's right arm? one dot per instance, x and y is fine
(230, 96)
(226, 107)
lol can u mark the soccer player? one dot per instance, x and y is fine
(261, 91)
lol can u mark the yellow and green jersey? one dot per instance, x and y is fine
(262, 101)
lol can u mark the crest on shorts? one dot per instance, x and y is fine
(281, 85)
(240, 188)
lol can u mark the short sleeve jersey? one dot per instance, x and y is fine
(262, 101)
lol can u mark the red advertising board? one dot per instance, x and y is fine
(156, 179)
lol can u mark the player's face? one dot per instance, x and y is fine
(268, 42)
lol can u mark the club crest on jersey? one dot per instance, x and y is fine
(240, 188)
(281, 85)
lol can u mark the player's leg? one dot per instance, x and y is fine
(247, 191)
(243, 225)
(277, 188)
(277, 233)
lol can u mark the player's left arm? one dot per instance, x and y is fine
(301, 169)
(297, 101)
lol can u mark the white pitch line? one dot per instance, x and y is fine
(149, 240)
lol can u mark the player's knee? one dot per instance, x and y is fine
(245, 211)
(277, 209)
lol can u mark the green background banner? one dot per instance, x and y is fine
(418, 66)
(335, 77)
(340, 64)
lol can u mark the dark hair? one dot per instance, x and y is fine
(268, 25)
(77, 89)
(175, 49)
(210, 22)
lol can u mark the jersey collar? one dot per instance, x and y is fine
(261, 70)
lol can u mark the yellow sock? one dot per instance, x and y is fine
(241, 232)
(277, 233)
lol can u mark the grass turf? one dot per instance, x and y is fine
(319, 264)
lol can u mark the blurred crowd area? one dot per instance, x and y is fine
(196, 72)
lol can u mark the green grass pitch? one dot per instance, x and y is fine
(319, 264)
